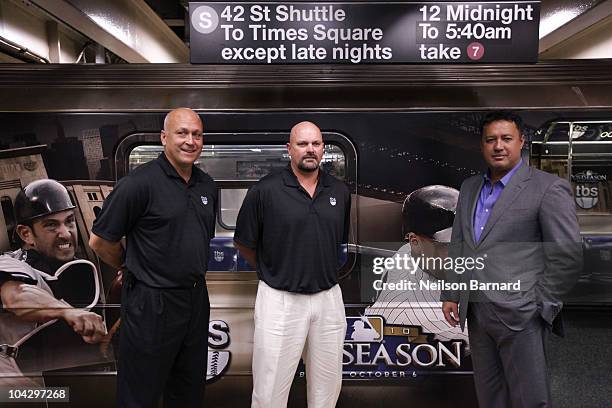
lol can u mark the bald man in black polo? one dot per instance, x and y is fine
(291, 228)
(166, 210)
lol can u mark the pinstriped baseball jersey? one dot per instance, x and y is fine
(418, 307)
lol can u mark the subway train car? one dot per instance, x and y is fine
(389, 130)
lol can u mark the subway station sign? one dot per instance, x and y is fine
(365, 32)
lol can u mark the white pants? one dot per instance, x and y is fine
(290, 325)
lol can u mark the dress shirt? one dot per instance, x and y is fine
(489, 194)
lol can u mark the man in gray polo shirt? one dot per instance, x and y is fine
(291, 228)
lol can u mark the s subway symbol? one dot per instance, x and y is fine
(205, 19)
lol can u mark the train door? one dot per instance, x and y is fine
(581, 152)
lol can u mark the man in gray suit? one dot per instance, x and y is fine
(522, 223)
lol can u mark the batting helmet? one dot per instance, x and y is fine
(40, 198)
(430, 211)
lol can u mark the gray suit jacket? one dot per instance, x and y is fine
(532, 235)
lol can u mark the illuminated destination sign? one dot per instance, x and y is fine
(354, 33)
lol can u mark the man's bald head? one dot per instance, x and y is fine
(182, 137)
(178, 114)
(305, 147)
(304, 128)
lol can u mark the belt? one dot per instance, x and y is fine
(131, 280)
(199, 282)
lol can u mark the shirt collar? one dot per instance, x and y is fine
(170, 171)
(290, 178)
(43, 263)
(506, 179)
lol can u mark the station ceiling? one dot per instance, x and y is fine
(154, 31)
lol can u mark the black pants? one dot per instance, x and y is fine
(163, 346)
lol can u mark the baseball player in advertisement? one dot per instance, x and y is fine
(44, 324)
(403, 334)
(427, 219)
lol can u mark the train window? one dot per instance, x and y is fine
(230, 200)
(9, 218)
(244, 162)
(235, 167)
(580, 131)
(241, 163)
(580, 151)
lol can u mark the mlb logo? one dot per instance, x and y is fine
(204, 200)
(332, 201)
(364, 329)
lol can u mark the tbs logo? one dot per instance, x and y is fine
(586, 197)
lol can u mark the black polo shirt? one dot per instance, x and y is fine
(168, 223)
(298, 239)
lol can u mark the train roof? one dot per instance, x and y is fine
(159, 87)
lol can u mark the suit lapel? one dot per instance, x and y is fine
(507, 197)
(473, 199)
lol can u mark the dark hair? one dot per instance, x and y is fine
(502, 115)
(27, 223)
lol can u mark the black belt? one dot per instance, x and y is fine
(131, 280)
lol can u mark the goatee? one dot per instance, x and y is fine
(302, 167)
